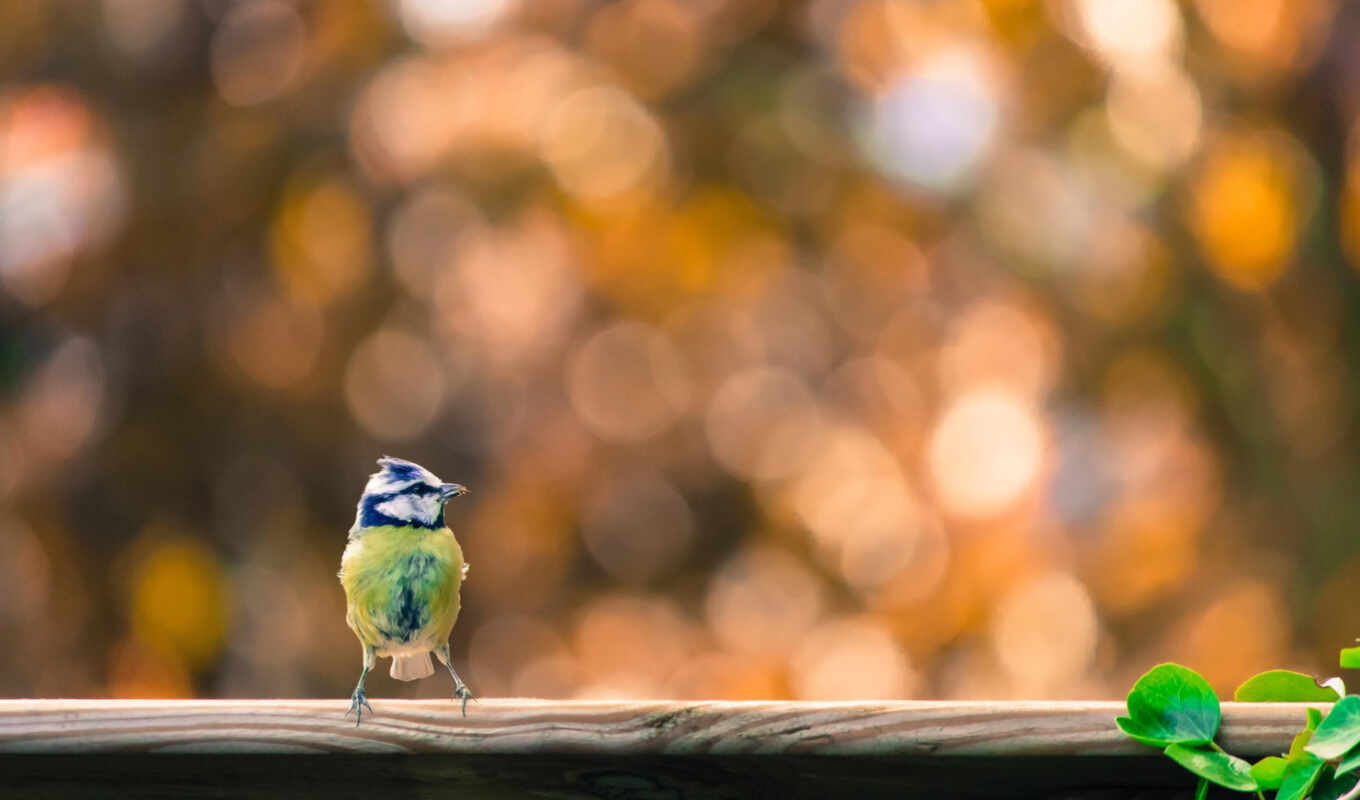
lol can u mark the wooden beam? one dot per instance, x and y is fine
(614, 728)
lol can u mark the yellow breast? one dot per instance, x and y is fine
(402, 586)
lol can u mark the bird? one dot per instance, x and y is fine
(402, 570)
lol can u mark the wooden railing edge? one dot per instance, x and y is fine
(646, 727)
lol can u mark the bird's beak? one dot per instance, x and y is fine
(448, 490)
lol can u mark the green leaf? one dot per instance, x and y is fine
(1303, 737)
(1215, 765)
(1268, 772)
(1201, 789)
(1340, 731)
(1331, 786)
(1296, 747)
(1349, 761)
(1299, 778)
(1283, 686)
(1171, 704)
(1350, 658)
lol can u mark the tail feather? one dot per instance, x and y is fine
(412, 666)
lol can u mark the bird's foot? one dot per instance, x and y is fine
(461, 692)
(357, 703)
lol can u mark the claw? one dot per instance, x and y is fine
(462, 692)
(357, 703)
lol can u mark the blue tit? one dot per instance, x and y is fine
(402, 571)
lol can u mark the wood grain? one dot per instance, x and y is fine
(643, 728)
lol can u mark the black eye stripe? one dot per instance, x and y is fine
(370, 514)
(417, 489)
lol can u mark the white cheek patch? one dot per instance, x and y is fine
(411, 508)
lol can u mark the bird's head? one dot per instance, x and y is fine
(403, 493)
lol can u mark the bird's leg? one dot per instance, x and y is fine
(359, 700)
(460, 689)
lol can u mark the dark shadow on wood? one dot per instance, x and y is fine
(570, 776)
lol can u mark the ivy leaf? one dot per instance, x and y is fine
(1214, 765)
(1269, 772)
(1299, 778)
(1349, 762)
(1350, 658)
(1340, 731)
(1303, 737)
(1171, 704)
(1301, 740)
(1284, 686)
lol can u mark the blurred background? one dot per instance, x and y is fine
(836, 349)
